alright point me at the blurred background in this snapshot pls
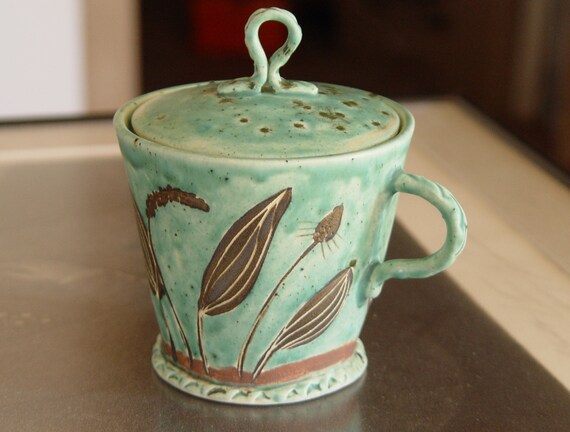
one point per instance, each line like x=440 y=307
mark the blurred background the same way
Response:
x=509 y=58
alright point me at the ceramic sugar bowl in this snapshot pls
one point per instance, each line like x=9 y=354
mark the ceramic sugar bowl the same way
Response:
x=264 y=208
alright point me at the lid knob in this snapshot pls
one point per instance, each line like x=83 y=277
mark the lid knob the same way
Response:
x=266 y=76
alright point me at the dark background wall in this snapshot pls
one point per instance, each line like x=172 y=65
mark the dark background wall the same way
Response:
x=509 y=58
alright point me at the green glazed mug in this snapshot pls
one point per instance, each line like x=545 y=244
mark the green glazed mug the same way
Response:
x=264 y=208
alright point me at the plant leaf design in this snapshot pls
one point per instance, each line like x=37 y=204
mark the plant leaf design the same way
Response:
x=153 y=272
x=329 y=225
x=152 y=268
x=238 y=259
x=312 y=319
x=325 y=231
x=168 y=194
x=154 y=200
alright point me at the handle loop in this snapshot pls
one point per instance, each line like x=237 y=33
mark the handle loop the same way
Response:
x=266 y=75
x=456 y=224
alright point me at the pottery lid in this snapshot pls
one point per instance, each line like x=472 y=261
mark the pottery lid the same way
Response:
x=265 y=116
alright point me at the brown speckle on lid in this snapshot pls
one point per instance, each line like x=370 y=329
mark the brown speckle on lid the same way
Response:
x=301 y=104
x=331 y=115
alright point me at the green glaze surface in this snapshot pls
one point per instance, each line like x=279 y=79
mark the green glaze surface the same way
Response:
x=264 y=249
x=197 y=118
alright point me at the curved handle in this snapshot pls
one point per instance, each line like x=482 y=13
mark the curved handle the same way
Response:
x=266 y=74
x=456 y=224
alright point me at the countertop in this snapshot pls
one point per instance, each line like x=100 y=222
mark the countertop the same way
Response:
x=484 y=346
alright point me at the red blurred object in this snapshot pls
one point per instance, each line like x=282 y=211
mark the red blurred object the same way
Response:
x=218 y=26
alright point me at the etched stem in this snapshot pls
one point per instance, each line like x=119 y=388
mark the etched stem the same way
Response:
x=201 y=341
x=180 y=330
x=268 y=300
x=158 y=292
x=173 y=348
x=311 y=320
x=263 y=361
x=164 y=291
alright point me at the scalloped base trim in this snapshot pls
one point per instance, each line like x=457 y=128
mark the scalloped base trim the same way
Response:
x=315 y=385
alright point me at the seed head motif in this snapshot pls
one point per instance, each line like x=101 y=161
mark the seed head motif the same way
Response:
x=329 y=225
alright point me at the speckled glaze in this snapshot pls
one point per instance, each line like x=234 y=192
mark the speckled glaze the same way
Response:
x=197 y=118
x=264 y=247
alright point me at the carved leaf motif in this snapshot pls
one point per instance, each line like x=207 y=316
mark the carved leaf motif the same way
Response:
x=324 y=232
x=154 y=200
x=157 y=199
x=166 y=195
x=152 y=268
x=239 y=257
x=312 y=319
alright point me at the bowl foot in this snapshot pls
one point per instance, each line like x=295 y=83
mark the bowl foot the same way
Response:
x=312 y=386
